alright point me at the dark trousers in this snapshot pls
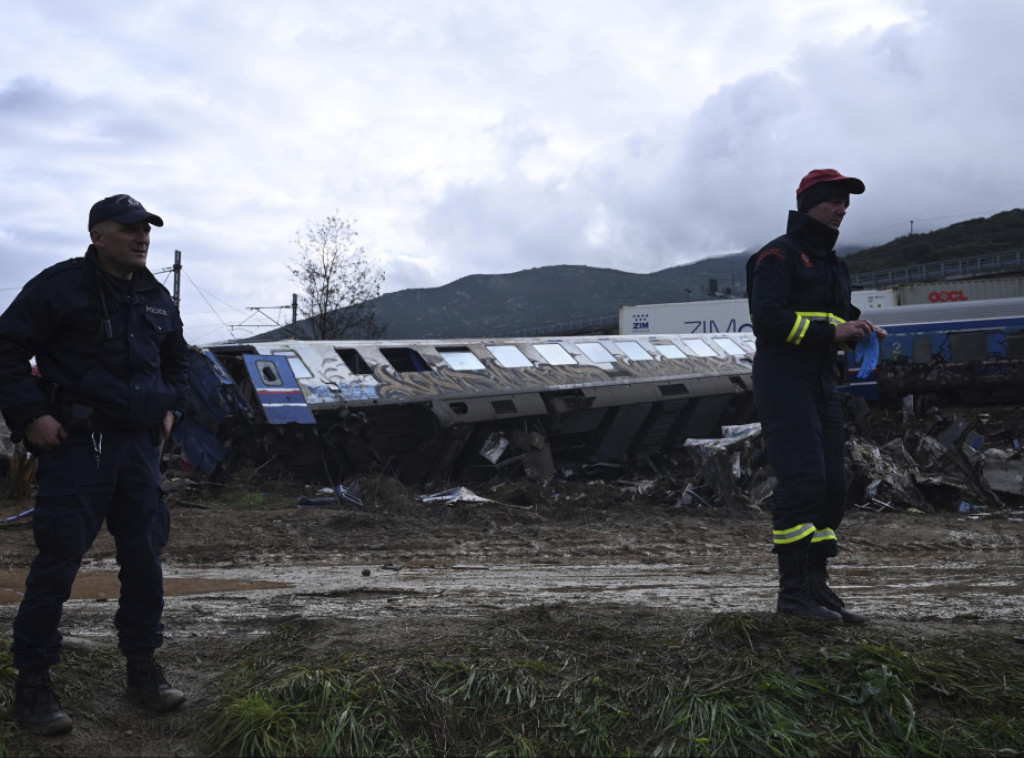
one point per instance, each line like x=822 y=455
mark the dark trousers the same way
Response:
x=802 y=423
x=76 y=494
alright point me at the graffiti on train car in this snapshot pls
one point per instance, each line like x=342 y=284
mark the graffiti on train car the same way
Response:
x=428 y=411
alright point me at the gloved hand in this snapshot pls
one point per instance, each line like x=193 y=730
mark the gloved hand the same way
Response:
x=866 y=355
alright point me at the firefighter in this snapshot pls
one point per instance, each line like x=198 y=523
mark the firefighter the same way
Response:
x=108 y=343
x=799 y=295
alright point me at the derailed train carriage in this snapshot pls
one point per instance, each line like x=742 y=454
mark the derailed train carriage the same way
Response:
x=955 y=353
x=433 y=410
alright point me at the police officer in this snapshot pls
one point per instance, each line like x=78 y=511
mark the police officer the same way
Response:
x=799 y=296
x=112 y=361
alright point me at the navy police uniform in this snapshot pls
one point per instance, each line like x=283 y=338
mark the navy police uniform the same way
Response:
x=113 y=362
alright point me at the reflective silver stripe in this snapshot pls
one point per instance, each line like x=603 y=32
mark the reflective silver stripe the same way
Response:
x=823 y=535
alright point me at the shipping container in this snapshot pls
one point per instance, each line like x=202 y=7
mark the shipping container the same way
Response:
x=706 y=316
x=919 y=293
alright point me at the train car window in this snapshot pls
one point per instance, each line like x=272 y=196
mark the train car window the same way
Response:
x=699 y=348
x=634 y=352
x=353 y=360
x=554 y=354
x=1015 y=345
x=596 y=352
x=509 y=356
x=461 y=359
x=670 y=351
x=965 y=347
x=268 y=373
x=299 y=369
x=922 y=349
x=404 y=359
x=729 y=346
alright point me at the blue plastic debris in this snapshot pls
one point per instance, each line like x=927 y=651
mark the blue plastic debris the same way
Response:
x=9 y=519
x=866 y=355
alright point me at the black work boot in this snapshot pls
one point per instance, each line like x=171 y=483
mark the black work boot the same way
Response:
x=36 y=706
x=795 y=595
x=817 y=579
x=148 y=686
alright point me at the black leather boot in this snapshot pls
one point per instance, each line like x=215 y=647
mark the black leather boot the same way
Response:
x=817 y=578
x=148 y=686
x=36 y=706
x=795 y=596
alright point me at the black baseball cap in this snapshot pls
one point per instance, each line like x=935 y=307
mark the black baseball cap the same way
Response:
x=123 y=208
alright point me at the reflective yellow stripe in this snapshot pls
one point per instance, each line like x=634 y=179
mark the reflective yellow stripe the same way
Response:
x=800 y=327
x=793 y=534
x=821 y=316
x=824 y=535
x=803 y=323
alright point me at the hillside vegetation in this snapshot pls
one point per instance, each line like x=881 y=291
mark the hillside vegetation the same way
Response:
x=549 y=299
x=1003 y=232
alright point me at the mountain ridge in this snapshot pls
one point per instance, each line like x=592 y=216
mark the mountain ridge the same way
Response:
x=480 y=305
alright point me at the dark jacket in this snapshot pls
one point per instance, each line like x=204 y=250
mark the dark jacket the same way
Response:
x=118 y=350
x=798 y=289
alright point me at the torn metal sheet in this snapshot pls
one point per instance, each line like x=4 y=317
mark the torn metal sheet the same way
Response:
x=730 y=465
x=1003 y=470
x=455 y=495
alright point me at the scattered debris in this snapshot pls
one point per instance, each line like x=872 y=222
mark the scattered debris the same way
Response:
x=454 y=495
x=733 y=466
x=328 y=496
x=9 y=519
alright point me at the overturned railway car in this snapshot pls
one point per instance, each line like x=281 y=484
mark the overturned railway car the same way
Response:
x=967 y=352
x=433 y=410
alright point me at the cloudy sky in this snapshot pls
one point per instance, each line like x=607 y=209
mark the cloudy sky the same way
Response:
x=470 y=136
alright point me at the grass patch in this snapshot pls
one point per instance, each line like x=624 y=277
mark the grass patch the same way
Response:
x=543 y=682
x=75 y=678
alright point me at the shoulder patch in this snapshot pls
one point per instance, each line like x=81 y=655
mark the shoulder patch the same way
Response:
x=71 y=264
x=772 y=251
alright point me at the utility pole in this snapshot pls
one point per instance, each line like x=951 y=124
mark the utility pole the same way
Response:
x=176 y=270
x=262 y=310
x=911 y=227
x=177 y=278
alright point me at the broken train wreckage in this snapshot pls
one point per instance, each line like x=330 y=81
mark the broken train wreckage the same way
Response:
x=429 y=412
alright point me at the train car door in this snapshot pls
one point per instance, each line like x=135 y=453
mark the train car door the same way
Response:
x=277 y=390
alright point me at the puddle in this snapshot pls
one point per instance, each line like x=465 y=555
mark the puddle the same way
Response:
x=234 y=594
x=92 y=584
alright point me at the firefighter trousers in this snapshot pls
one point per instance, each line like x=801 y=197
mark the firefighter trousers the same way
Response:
x=802 y=424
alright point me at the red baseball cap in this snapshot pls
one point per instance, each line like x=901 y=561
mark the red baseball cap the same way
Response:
x=820 y=175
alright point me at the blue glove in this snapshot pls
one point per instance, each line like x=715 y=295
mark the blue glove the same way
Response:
x=866 y=354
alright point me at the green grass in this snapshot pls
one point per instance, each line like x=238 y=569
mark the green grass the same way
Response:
x=738 y=684
x=543 y=681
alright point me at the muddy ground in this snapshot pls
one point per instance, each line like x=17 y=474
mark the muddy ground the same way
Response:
x=396 y=573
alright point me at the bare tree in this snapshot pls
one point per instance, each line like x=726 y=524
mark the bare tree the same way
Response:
x=337 y=280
